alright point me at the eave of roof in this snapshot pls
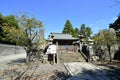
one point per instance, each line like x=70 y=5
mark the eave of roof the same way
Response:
x=61 y=36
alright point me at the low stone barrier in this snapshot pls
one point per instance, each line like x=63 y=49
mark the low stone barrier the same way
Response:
x=11 y=49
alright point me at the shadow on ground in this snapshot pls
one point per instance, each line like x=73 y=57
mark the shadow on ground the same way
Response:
x=97 y=75
x=17 y=61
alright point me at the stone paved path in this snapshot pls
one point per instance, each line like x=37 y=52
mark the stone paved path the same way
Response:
x=89 y=71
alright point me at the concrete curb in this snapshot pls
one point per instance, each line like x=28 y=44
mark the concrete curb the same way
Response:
x=68 y=69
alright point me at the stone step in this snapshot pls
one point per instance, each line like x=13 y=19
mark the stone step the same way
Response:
x=71 y=57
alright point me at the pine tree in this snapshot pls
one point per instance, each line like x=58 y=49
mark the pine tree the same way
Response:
x=85 y=31
x=68 y=28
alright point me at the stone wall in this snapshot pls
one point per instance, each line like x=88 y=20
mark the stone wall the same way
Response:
x=11 y=49
x=105 y=53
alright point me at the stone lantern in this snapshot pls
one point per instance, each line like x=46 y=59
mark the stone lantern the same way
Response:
x=90 y=41
x=81 y=41
x=90 y=47
x=50 y=39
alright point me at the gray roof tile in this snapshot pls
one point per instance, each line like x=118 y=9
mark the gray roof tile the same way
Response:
x=63 y=36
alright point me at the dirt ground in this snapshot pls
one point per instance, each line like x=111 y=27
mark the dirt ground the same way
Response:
x=7 y=60
x=13 y=67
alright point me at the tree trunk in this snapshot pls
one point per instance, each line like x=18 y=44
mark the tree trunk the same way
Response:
x=27 y=58
x=109 y=50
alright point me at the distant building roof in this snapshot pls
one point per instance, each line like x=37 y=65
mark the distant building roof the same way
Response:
x=62 y=36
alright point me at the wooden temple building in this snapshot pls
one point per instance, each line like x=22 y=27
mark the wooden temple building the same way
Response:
x=64 y=42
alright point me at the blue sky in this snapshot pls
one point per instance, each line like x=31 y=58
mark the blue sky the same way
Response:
x=96 y=14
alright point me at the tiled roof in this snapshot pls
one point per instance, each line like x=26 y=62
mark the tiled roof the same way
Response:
x=63 y=36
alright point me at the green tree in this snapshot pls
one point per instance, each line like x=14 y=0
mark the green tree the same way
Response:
x=10 y=33
x=68 y=28
x=31 y=27
x=1 y=24
x=1 y=20
x=116 y=26
x=85 y=31
x=14 y=36
x=107 y=39
x=76 y=33
x=10 y=21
